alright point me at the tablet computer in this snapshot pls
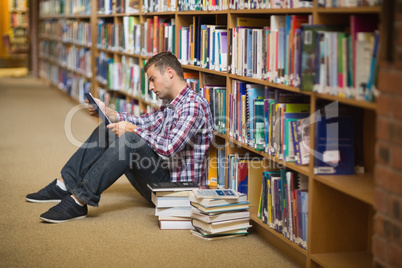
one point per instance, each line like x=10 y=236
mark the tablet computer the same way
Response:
x=101 y=114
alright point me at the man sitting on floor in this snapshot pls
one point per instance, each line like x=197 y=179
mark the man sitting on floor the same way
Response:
x=169 y=144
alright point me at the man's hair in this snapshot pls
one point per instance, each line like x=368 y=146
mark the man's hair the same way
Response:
x=162 y=61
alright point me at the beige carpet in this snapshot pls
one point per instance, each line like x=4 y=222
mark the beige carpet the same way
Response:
x=121 y=232
x=13 y=72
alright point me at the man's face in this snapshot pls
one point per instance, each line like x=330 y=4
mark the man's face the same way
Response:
x=158 y=83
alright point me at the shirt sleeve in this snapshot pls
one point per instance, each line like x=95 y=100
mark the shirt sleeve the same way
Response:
x=145 y=121
x=191 y=119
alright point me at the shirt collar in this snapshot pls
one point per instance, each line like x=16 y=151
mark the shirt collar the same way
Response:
x=176 y=101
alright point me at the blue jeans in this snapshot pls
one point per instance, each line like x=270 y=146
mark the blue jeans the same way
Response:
x=103 y=158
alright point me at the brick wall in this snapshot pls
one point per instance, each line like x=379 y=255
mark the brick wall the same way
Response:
x=387 y=240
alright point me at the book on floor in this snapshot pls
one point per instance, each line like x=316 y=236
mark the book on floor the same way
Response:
x=173 y=211
x=172 y=186
x=216 y=193
x=213 y=202
x=196 y=214
x=218 y=209
x=170 y=201
x=222 y=226
x=211 y=237
x=175 y=223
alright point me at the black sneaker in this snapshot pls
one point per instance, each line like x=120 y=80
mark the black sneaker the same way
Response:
x=66 y=210
x=51 y=193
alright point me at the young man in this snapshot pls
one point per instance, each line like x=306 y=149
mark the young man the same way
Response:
x=169 y=144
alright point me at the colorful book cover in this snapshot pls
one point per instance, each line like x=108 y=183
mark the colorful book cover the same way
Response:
x=308 y=54
x=334 y=146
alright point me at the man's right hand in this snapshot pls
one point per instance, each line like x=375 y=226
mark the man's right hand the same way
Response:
x=92 y=110
x=109 y=112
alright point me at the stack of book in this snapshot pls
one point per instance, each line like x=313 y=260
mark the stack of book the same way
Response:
x=218 y=214
x=172 y=205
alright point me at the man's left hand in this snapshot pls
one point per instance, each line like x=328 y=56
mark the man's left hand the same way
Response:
x=121 y=127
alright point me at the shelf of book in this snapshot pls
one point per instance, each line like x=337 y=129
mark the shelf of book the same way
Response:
x=360 y=186
x=357 y=259
x=278 y=240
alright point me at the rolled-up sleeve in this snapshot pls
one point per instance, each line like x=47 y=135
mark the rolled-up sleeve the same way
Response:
x=190 y=119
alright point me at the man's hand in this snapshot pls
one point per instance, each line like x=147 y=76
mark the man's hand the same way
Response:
x=109 y=112
x=121 y=127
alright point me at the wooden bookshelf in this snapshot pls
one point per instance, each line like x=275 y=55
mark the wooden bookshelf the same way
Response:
x=340 y=208
x=18 y=33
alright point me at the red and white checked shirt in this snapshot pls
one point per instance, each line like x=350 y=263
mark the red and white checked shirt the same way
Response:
x=181 y=131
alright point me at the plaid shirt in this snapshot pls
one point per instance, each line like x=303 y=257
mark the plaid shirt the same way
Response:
x=180 y=131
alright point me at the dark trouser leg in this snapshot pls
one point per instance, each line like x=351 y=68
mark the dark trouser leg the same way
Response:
x=92 y=169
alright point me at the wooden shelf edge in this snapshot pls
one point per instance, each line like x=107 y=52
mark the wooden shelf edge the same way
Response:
x=289 y=248
x=366 y=9
x=359 y=186
x=271 y=11
x=358 y=103
x=354 y=259
x=298 y=168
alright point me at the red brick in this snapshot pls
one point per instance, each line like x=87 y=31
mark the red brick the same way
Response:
x=385 y=104
x=395 y=131
x=383 y=127
x=382 y=153
x=390 y=81
x=380 y=248
x=381 y=201
x=395 y=206
x=394 y=255
x=396 y=157
x=397 y=109
x=379 y=225
x=388 y=179
x=396 y=235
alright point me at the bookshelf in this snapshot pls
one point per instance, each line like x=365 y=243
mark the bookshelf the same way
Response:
x=18 y=35
x=340 y=207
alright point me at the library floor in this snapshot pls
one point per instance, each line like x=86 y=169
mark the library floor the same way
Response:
x=122 y=232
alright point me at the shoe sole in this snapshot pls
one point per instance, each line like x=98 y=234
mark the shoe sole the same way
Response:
x=61 y=221
x=43 y=201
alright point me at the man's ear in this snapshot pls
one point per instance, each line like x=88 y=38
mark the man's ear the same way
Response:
x=171 y=73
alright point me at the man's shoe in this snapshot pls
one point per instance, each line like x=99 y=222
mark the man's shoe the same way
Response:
x=51 y=193
x=66 y=210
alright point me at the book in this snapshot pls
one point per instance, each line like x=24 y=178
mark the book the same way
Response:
x=216 y=193
x=307 y=56
x=170 y=201
x=334 y=145
x=172 y=193
x=173 y=186
x=175 y=225
x=220 y=216
x=217 y=237
x=174 y=211
x=214 y=202
x=219 y=209
x=250 y=179
x=222 y=226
